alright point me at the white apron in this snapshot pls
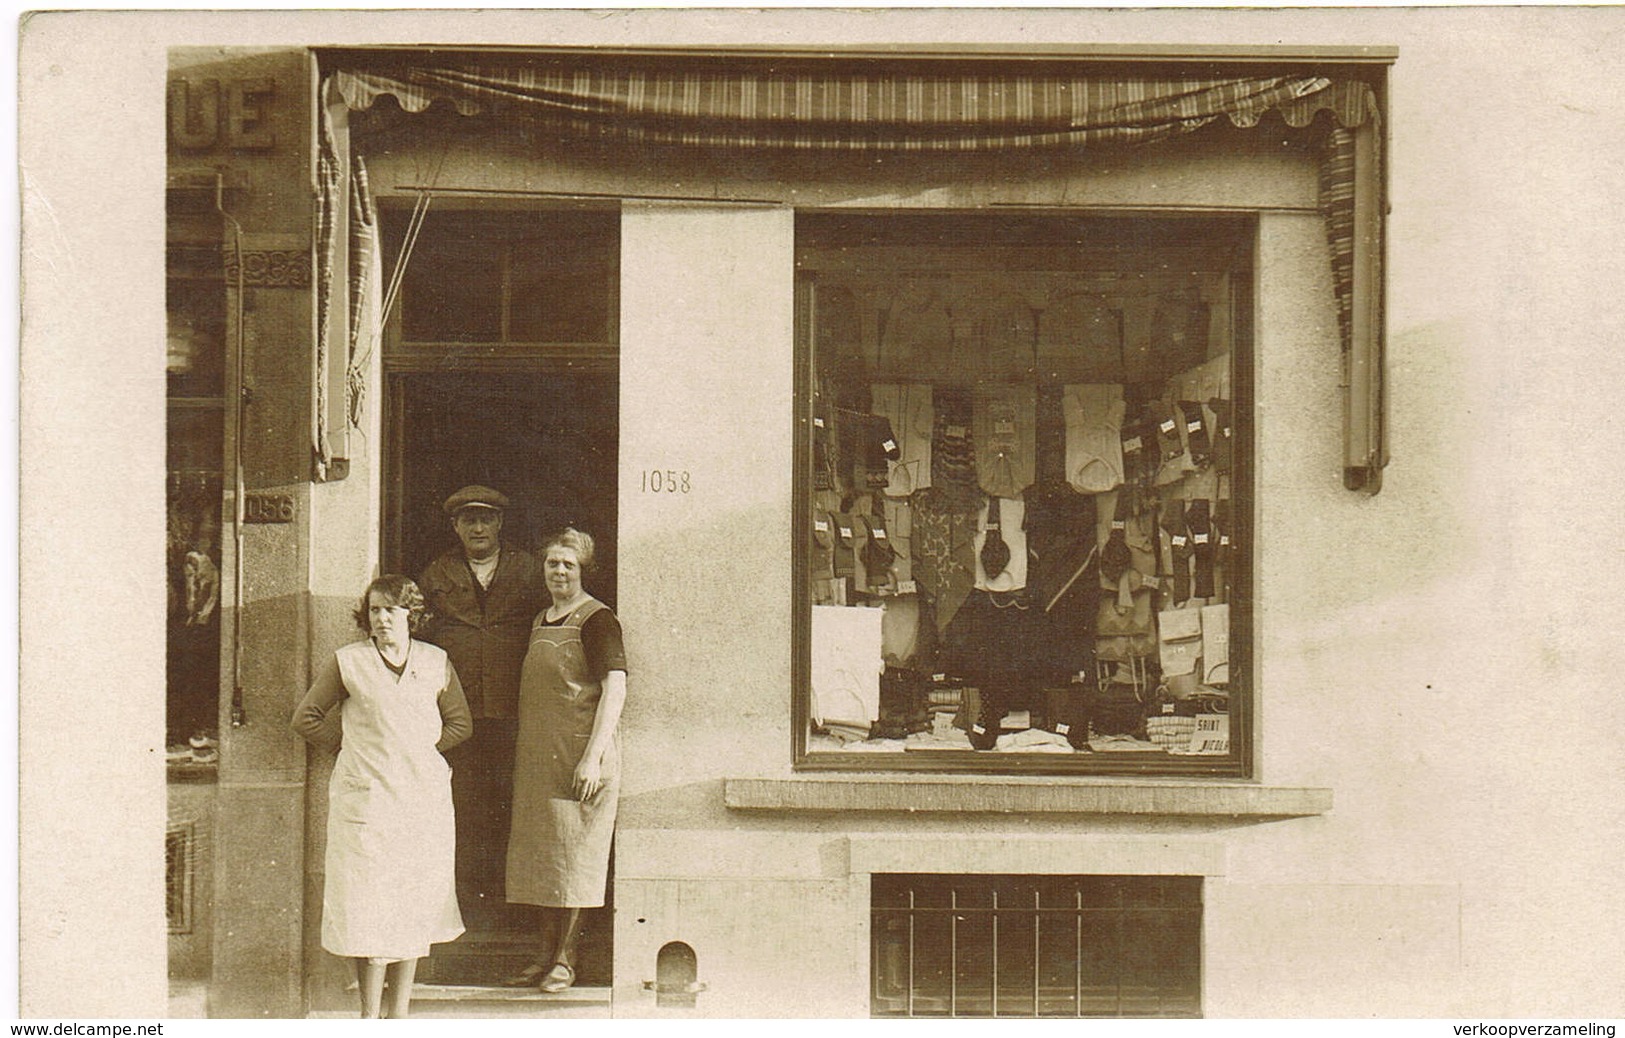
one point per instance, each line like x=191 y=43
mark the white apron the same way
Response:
x=390 y=891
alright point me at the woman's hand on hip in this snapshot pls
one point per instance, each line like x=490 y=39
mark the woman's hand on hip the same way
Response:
x=589 y=778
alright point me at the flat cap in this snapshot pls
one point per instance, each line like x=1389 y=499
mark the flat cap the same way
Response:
x=475 y=496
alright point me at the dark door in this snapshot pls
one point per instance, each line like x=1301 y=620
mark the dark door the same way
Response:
x=548 y=439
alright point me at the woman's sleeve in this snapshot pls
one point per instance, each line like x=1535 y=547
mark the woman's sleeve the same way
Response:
x=456 y=720
x=311 y=719
x=601 y=642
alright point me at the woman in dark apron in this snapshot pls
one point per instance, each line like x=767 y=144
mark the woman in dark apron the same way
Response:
x=567 y=766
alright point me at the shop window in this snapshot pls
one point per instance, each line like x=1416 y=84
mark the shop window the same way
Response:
x=1035 y=946
x=1024 y=492
x=511 y=278
x=195 y=362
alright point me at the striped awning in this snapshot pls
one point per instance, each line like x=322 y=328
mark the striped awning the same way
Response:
x=859 y=112
x=874 y=110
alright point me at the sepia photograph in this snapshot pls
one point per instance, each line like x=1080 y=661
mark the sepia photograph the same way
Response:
x=701 y=514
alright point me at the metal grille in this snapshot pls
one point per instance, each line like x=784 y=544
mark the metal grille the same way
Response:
x=1036 y=946
x=179 y=843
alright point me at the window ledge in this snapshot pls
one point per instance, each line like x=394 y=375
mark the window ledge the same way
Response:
x=963 y=794
x=193 y=772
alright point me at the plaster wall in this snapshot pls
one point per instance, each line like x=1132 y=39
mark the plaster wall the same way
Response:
x=705 y=392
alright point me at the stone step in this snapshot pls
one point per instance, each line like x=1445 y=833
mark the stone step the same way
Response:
x=471 y=1002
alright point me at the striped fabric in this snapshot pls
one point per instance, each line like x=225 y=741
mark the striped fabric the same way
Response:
x=329 y=218
x=366 y=290
x=1337 y=206
x=742 y=110
x=849 y=112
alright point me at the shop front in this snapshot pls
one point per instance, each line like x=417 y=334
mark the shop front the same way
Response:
x=932 y=410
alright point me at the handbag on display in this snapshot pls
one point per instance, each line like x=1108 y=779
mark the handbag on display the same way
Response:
x=1125 y=634
x=1179 y=640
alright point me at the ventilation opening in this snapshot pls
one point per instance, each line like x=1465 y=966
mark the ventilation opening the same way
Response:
x=677 y=973
x=179 y=843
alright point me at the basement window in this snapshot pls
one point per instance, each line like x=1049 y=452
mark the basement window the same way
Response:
x=1035 y=946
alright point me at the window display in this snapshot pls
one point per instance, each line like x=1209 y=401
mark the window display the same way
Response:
x=1021 y=481
x=195 y=358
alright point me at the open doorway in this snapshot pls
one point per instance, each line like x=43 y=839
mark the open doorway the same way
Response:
x=501 y=370
x=548 y=440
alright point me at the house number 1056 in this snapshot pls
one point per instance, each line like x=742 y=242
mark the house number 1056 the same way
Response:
x=665 y=481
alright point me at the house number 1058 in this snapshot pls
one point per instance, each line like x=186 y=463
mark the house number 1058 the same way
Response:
x=665 y=481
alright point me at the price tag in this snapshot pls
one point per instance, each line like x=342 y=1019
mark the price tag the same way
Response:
x=956 y=432
x=846 y=533
x=1180 y=540
x=1195 y=426
x=1004 y=427
x=818 y=423
x=939 y=678
x=1168 y=426
x=889 y=446
x=1147 y=580
x=907 y=587
x=1132 y=444
x=1117 y=524
x=1063 y=729
x=1199 y=538
x=878 y=532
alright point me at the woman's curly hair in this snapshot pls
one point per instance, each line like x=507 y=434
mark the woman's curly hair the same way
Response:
x=576 y=541
x=396 y=590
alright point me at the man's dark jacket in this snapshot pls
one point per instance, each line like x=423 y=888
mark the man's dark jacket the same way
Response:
x=485 y=634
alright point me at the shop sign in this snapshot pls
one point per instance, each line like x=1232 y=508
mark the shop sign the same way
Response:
x=221 y=113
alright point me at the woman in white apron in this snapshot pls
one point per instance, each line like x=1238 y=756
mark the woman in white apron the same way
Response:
x=567 y=761
x=390 y=832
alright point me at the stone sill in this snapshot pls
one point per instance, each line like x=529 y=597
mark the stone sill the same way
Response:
x=192 y=773
x=484 y=993
x=974 y=794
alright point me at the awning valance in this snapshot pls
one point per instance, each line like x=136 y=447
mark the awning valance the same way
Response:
x=876 y=109
x=868 y=112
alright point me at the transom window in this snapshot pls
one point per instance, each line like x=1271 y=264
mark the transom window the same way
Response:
x=511 y=278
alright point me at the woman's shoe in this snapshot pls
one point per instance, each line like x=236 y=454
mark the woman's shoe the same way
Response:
x=525 y=978
x=558 y=979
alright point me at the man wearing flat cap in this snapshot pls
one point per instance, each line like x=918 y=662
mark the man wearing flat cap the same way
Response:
x=482 y=598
